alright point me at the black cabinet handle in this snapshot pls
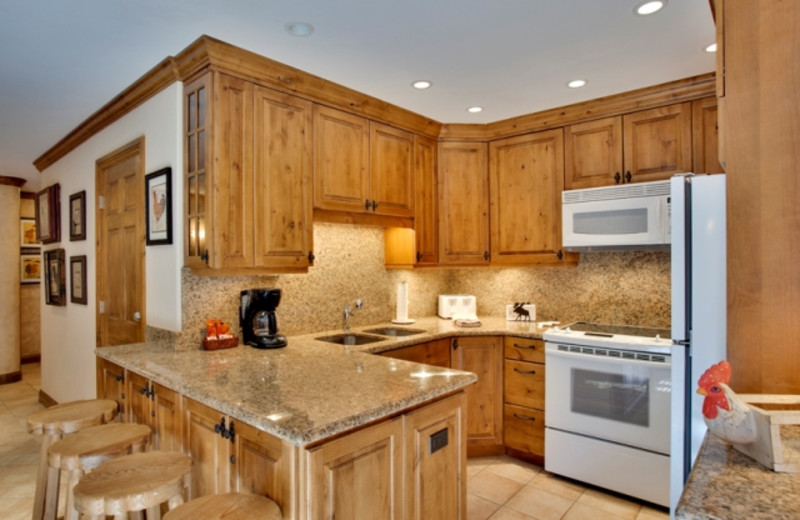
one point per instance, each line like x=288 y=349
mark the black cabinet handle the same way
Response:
x=617 y=177
x=120 y=378
x=230 y=433
x=204 y=256
x=527 y=372
x=311 y=257
x=143 y=391
x=532 y=347
x=233 y=459
x=219 y=428
x=366 y=205
x=524 y=417
x=455 y=343
x=628 y=177
x=486 y=255
x=419 y=256
x=560 y=254
x=374 y=205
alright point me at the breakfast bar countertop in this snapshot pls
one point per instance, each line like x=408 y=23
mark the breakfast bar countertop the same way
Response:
x=309 y=390
x=725 y=485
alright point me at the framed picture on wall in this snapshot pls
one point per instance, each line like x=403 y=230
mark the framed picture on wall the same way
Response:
x=48 y=218
x=159 y=207
x=77 y=216
x=27 y=233
x=55 y=290
x=30 y=266
x=77 y=279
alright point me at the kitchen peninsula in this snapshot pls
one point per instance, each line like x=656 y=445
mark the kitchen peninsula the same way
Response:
x=310 y=423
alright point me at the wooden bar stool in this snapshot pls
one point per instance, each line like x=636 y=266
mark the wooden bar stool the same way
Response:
x=230 y=506
x=134 y=483
x=53 y=423
x=82 y=452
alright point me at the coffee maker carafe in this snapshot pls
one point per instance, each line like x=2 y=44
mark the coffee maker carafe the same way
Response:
x=257 y=318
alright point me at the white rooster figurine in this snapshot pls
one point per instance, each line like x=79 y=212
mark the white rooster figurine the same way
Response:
x=726 y=415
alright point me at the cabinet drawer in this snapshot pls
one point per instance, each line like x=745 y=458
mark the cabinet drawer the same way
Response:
x=435 y=353
x=524 y=349
x=524 y=384
x=524 y=429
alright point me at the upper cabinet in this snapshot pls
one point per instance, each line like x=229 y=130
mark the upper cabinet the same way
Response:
x=248 y=202
x=361 y=166
x=463 y=203
x=426 y=203
x=642 y=146
x=526 y=176
x=705 y=137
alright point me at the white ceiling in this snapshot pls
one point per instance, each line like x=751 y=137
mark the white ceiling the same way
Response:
x=61 y=60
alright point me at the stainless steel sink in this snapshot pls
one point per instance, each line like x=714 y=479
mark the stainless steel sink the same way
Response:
x=395 y=331
x=350 y=339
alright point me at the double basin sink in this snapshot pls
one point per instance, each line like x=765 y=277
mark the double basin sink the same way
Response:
x=358 y=338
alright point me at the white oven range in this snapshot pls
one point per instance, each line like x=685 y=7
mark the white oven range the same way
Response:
x=607 y=407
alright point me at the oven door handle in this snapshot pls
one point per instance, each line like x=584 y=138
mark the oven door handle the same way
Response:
x=608 y=359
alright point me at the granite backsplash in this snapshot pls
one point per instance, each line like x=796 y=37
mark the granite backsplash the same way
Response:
x=625 y=288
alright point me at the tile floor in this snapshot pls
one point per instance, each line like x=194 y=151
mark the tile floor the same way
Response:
x=499 y=488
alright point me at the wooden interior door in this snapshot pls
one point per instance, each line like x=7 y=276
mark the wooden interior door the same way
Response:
x=120 y=246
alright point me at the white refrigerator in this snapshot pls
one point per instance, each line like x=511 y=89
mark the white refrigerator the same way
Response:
x=698 y=310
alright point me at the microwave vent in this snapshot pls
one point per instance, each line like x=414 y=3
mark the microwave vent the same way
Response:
x=624 y=191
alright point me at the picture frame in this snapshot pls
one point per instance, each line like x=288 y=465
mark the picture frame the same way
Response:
x=27 y=234
x=30 y=267
x=77 y=279
x=48 y=214
x=77 y=216
x=55 y=290
x=158 y=202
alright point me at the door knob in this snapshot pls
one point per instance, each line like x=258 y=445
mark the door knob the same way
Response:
x=137 y=316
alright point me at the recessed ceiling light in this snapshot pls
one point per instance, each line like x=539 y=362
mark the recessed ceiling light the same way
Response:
x=474 y=110
x=299 y=28
x=422 y=84
x=576 y=83
x=711 y=47
x=649 y=7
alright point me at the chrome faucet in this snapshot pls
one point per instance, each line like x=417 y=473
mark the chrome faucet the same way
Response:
x=349 y=313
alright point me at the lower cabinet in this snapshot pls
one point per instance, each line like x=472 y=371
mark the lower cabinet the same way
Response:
x=436 y=353
x=111 y=385
x=159 y=408
x=523 y=411
x=482 y=355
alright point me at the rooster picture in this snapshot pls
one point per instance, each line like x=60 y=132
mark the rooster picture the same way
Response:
x=726 y=415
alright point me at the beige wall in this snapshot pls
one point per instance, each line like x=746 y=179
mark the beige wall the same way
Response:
x=625 y=288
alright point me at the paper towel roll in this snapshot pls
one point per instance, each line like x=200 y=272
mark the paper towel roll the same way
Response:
x=402 y=302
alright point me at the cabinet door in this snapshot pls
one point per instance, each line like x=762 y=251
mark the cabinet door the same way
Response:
x=436 y=353
x=281 y=191
x=705 y=136
x=658 y=143
x=593 y=153
x=483 y=356
x=139 y=400
x=524 y=384
x=358 y=476
x=435 y=461
x=524 y=432
x=257 y=464
x=167 y=418
x=463 y=203
x=391 y=184
x=196 y=153
x=526 y=175
x=426 y=207
x=111 y=385
x=341 y=159
x=231 y=220
x=209 y=451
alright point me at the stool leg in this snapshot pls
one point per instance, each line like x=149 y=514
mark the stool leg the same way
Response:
x=51 y=493
x=154 y=513
x=70 y=513
x=41 y=476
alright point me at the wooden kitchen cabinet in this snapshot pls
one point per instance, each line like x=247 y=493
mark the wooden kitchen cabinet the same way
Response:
x=526 y=178
x=705 y=137
x=249 y=189
x=426 y=205
x=159 y=408
x=436 y=353
x=524 y=398
x=648 y=145
x=361 y=166
x=359 y=475
x=482 y=355
x=111 y=385
x=463 y=203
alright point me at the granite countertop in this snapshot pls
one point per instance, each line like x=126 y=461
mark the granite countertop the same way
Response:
x=725 y=484
x=310 y=390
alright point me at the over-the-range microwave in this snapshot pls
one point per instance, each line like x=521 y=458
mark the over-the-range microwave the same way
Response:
x=613 y=218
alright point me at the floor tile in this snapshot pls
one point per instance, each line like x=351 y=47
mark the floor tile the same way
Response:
x=479 y=508
x=613 y=504
x=513 y=469
x=493 y=487
x=560 y=486
x=505 y=513
x=653 y=513
x=539 y=504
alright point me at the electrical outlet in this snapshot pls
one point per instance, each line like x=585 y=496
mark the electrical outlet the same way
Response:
x=438 y=440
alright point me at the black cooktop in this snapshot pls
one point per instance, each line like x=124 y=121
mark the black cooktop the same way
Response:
x=601 y=329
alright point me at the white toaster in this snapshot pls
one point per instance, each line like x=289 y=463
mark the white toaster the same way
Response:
x=456 y=304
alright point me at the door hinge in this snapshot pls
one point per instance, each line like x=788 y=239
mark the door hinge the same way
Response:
x=102 y=305
x=101 y=202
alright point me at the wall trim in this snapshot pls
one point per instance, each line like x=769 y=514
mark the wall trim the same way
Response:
x=46 y=400
x=11 y=377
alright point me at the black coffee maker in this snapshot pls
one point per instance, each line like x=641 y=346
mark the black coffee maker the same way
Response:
x=257 y=318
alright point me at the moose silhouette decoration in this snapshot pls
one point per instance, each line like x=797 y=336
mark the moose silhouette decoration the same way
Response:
x=521 y=312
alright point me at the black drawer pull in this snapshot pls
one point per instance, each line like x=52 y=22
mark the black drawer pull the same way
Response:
x=530 y=372
x=524 y=417
x=532 y=347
